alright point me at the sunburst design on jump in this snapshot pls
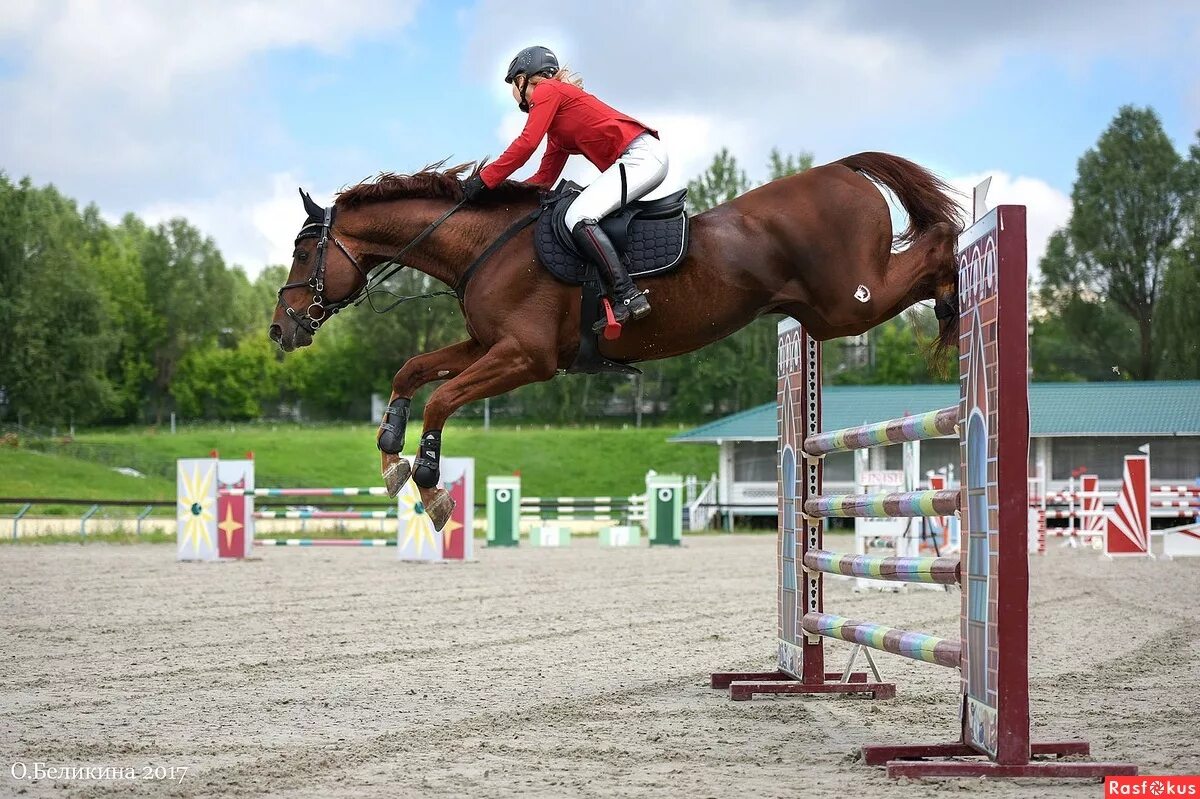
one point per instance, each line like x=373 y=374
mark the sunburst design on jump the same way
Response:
x=415 y=527
x=196 y=507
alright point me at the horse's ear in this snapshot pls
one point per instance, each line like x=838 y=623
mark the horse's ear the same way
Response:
x=315 y=212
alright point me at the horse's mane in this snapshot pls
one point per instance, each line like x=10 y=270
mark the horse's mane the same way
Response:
x=435 y=181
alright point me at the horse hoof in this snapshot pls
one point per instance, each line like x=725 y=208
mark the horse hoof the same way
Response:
x=396 y=475
x=439 y=508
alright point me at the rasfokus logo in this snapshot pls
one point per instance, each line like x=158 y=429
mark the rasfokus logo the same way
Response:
x=1152 y=786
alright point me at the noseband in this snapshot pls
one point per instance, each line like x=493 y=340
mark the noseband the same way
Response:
x=319 y=310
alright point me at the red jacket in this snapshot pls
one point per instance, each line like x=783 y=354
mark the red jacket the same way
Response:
x=577 y=124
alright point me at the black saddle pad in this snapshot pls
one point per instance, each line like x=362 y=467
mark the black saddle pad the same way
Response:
x=652 y=236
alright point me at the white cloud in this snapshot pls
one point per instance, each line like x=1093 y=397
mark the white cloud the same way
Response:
x=252 y=227
x=1047 y=208
x=693 y=140
x=145 y=49
x=145 y=105
x=830 y=77
x=789 y=75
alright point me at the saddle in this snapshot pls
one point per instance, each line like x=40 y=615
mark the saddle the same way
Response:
x=650 y=235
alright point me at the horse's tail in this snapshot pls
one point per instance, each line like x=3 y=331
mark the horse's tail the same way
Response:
x=933 y=221
x=928 y=199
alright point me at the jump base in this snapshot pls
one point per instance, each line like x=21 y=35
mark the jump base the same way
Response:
x=744 y=685
x=909 y=761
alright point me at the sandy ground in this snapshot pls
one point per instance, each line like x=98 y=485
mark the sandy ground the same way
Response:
x=574 y=672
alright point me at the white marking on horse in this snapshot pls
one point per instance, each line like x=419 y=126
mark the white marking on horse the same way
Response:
x=862 y=293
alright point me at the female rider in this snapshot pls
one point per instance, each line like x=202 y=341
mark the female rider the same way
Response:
x=631 y=159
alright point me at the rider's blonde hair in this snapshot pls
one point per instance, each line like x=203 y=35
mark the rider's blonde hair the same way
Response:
x=565 y=75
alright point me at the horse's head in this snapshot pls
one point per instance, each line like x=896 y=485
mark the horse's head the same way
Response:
x=323 y=280
x=945 y=296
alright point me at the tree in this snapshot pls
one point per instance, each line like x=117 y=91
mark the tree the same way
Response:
x=58 y=338
x=1131 y=207
x=188 y=291
x=780 y=165
x=720 y=183
x=892 y=353
x=1180 y=319
x=233 y=383
x=737 y=372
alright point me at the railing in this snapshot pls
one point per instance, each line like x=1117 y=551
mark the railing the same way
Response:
x=93 y=506
x=701 y=503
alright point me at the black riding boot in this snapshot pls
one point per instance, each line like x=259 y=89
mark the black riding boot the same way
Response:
x=594 y=244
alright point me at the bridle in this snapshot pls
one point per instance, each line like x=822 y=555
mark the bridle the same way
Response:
x=319 y=310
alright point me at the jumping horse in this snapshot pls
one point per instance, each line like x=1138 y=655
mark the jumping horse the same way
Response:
x=817 y=246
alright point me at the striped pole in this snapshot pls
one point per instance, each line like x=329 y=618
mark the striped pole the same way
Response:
x=1101 y=514
x=881 y=567
x=901 y=504
x=919 y=427
x=374 y=491
x=325 y=542
x=325 y=514
x=917 y=646
x=1175 y=489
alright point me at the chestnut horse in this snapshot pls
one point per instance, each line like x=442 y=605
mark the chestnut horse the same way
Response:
x=816 y=246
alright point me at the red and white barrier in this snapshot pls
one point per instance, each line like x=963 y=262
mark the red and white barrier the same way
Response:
x=1128 y=531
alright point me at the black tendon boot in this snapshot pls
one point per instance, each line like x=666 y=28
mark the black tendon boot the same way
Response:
x=391 y=432
x=594 y=244
x=427 y=464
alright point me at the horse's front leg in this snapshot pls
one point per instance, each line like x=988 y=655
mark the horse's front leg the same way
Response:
x=442 y=364
x=506 y=366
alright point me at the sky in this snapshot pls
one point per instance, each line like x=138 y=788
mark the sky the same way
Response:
x=218 y=111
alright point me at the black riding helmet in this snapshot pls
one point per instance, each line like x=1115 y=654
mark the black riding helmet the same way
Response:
x=532 y=61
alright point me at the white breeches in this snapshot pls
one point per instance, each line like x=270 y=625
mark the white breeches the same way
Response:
x=645 y=166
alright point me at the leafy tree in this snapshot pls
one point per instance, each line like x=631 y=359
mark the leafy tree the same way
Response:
x=893 y=353
x=720 y=183
x=115 y=253
x=234 y=383
x=187 y=291
x=1131 y=208
x=53 y=353
x=737 y=372
x=1180 y=321
x=780 y=165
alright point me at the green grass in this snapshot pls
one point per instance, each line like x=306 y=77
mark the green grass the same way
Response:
x=37 y=474
x=552 y=461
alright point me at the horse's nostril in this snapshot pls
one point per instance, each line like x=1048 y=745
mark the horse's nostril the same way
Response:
x=275 y=332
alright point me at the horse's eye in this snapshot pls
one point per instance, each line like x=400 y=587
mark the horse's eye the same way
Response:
x=301 y=255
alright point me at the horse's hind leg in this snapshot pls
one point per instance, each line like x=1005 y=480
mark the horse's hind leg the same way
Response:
x=417 y=371
x=506 y=366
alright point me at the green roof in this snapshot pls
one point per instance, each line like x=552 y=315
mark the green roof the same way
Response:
x=1154 y=408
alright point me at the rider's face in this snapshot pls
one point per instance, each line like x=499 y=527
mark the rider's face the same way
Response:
x=516 y=88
